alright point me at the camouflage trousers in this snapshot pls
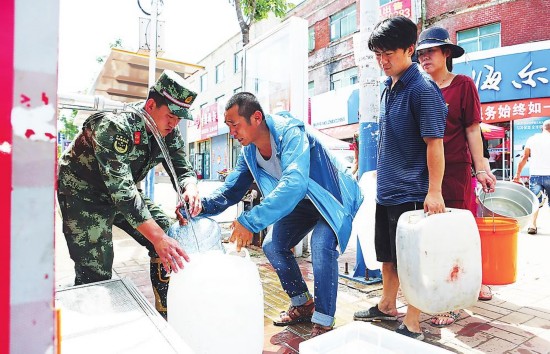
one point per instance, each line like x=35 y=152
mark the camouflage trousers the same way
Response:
x=88 y=230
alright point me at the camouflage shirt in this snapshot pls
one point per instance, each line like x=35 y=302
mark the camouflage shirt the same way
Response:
x=110 y=155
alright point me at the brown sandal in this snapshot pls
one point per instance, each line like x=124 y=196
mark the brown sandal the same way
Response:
x=318 y=330
x=297 y=314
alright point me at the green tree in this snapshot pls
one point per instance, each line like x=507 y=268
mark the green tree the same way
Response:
x=69 y=128
x=250 y=11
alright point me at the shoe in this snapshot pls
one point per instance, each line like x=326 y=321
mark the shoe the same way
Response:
x=449 y=318
x=402 y=329
x=532 y=230
x=373 y=314
x=485 y=295
x=318 y=330
x=296 y=314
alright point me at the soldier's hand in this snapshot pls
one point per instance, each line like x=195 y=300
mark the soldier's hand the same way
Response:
x=182 y=220
x=191 y=196
x=170 y=253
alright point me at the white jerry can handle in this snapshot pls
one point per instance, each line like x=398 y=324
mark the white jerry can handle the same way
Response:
x=414 y=218
x=243 y=253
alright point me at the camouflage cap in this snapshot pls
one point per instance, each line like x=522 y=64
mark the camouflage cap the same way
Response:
x=178 y=97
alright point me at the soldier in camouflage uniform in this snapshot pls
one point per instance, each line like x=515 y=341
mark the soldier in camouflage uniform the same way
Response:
x=97 y=186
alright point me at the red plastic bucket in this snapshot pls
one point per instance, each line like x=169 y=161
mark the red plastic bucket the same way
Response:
x=499 y=249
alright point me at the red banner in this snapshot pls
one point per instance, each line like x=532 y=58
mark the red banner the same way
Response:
x=511 y=110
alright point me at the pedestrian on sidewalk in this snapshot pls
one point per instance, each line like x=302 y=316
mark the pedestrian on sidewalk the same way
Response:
x=536 y=151
x=302 y=191
x=410 y=163
x=97 y=186
x=463 y=142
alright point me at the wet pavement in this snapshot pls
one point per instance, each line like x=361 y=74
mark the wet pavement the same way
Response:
x=516 y=320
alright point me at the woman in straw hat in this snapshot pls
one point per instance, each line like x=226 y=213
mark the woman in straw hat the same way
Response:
x=463 y=141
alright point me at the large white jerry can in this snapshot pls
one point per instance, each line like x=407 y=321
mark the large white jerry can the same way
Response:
x=216 y=304
x=439 y=259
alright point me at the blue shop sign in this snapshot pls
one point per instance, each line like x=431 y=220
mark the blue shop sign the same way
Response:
x=509 y=77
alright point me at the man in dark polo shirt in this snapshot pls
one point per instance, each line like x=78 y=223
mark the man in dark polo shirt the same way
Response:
x=410 y=161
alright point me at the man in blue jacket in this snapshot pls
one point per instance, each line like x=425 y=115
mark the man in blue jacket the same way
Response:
x=303 y=189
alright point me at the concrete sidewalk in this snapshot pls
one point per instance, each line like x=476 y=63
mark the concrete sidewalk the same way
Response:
x=516 y=320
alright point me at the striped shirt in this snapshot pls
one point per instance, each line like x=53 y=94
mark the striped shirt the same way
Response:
x=410 y=111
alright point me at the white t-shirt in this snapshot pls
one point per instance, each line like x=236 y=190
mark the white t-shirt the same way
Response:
x=273 y=164
x=539 y=160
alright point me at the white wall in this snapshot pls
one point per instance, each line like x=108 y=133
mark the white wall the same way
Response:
x=33 y=119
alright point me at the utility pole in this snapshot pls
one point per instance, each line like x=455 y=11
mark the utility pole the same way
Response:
x=369 y=112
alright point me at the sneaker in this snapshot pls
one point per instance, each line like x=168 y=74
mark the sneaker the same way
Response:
x=402 y=329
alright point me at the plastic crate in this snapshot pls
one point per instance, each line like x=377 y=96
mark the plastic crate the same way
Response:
x=363 y=337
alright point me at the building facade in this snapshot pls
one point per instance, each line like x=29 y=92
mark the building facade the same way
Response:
x=485 y=29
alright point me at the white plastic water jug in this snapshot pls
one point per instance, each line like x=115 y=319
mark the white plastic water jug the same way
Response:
x=439 y=259
x=216 y=304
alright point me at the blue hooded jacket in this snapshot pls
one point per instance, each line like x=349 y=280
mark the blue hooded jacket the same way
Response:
x=308 y=169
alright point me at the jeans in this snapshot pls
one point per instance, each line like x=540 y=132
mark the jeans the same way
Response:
x=287 y=233
x=540 y=185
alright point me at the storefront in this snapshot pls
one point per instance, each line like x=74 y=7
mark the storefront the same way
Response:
x=336 y=112
x=514 y=87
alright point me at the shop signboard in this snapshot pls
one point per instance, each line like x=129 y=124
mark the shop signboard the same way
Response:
x=495 y=112
x=209 y=121
x=502 y=77
x=335 y=108
x=396 y=8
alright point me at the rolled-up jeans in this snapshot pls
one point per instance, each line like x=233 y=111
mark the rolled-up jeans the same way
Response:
x=540 y=185
x=287 y=233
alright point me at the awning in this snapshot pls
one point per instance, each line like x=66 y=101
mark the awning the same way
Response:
x=125 y=75
x=492 y=131
x=342 y=132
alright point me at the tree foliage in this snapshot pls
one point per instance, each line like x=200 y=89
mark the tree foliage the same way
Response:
x=250 y=11
x=69 y=128
x=116 y=44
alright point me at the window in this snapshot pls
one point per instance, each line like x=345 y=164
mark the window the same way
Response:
x=311 y=39
x=204 y=82
x=311 y=88
x=343 y=23
x=237 y=58
x=238 y=89
x=479 y=38
x=343 y=78
x=220 y=72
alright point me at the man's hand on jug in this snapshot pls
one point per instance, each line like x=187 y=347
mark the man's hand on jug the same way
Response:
x=240 y=235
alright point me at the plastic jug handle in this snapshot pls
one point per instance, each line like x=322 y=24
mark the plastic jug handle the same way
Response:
x=447 y=210
x=233 y=250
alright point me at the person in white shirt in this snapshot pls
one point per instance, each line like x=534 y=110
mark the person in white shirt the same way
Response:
x=536 y=151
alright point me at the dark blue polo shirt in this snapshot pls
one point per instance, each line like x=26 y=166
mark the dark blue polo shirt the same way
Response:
x=410 y=111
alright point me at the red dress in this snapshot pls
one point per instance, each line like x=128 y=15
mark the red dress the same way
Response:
x=464 y=110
